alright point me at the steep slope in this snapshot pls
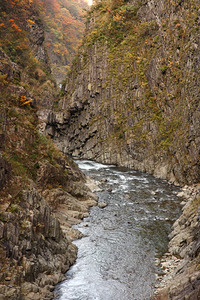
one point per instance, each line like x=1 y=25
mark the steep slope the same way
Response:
x=42 y=191
x=64 y=25
x=132 y=96
x=25 y=67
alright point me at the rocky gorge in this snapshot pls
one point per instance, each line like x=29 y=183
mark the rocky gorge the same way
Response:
x=131 y=99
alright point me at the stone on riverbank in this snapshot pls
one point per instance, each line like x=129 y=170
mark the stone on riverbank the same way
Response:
x=102 y=204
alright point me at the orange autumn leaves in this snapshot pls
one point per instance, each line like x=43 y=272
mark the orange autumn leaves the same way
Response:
x=15 y=26
x=62 y=20
x=25 y=101
x=64 y=23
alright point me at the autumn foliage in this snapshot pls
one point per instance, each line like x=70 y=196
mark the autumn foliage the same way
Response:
x=14 y=15
x=64 y=27
x=63 y=24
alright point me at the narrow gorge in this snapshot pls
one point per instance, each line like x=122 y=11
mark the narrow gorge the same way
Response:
x=130 y=99
x=132 y=96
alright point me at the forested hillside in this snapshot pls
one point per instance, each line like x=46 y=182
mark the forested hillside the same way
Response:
x=64 y=27
x=35 y=178
x=63 y=24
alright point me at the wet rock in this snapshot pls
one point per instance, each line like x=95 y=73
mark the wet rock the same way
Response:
x=104 y=180
x=181 y=194
x=102 y=204
x=93 y=185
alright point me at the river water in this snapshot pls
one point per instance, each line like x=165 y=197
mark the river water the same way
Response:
x=122 y=243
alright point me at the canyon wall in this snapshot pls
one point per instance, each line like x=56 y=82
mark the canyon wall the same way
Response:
x=132 y=96
x=42 y=192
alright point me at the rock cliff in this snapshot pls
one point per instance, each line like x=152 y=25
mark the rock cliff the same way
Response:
x=181 y=263
x=132 y=96
x=42 y=191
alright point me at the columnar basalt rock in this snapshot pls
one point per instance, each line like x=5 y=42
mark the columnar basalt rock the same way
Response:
x=36 y=252
x=133 y=100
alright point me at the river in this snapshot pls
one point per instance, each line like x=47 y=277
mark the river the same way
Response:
x=122 y=244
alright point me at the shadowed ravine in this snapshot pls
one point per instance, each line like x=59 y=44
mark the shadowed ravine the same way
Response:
x=122 y=243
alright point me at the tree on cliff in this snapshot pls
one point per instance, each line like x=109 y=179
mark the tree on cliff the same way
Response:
x=63 y=25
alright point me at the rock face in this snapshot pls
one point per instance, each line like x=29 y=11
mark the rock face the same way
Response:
x=34 y=242
x=181 y=264
x=42 y=192
x=132 y=95
x=35 y=251
x=37 y=38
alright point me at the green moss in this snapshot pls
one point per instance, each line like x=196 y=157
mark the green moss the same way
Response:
x=112 y=21
x=18 y=167
x=13 y=208
x=2 y=217
x=163 y=69
x=156 y=39
x=195 y=203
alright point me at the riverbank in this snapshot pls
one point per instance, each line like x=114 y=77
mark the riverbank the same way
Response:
x=181 y=264
x=35 y=225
